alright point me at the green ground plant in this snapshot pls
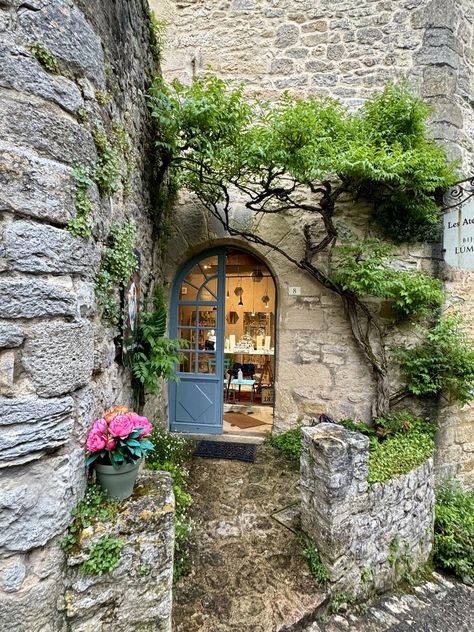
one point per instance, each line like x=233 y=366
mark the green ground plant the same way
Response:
x=171 y=454
x=104 y=556
x=311 y=553
x=93 y=508
x=453 y=549
x=289 y=443
x=398 y=443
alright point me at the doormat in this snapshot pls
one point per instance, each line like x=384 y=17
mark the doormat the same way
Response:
x=226 y=450
x=242 y=421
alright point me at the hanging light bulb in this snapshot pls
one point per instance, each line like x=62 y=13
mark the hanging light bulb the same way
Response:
x=240 y=301
x=266 y=300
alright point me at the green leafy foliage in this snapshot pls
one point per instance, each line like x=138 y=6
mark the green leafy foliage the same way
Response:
x=156 y=355
x=104 y=556
x=443 y=362
x=453 y=549
x=80 y=225
x=117 y=264
x=398 y=443
x=94 y=507
x=107 y=171
x=289 y=443
x=311 y=553
x=44 y=56
x=400 y=452
x=366 y=270
x=171 y=455
x=157 y=30
x=383 y=151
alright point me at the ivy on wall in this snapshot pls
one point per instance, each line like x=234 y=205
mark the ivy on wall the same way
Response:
x=117 y=264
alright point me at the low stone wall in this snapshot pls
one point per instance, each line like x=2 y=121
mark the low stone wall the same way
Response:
x=368 y=538
x=136 y=596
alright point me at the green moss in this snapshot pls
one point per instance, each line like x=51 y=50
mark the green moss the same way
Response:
x=44 y=56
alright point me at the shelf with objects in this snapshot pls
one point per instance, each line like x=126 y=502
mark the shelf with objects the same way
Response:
x=249 y=331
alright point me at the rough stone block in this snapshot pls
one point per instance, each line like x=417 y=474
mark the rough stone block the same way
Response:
x=287 y=35
x=33 y=587
x=51 y=134
x=37 y=248
x=33 y=298
x=30 y=427
x=35 y=187
x=146 y=526
x=7 y=365
x=36 y=500
x=10 y=335
x=21 y=71
x=78 y=47
x=59 y=357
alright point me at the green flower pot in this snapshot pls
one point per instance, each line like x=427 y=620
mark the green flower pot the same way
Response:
x=117 y=482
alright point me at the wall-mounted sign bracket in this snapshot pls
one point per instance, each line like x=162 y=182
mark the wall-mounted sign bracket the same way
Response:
x=459 y=194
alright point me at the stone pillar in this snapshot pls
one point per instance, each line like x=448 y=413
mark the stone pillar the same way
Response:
x=367 y=538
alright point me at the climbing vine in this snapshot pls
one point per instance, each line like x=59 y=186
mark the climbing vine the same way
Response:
x=80 y=225
x=118 y=262
x=298 y=158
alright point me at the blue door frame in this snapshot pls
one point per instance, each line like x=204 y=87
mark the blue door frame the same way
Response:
x=196 y=402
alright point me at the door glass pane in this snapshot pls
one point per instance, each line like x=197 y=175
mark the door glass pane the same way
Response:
x=187 y=364
x=208 y=291
x=189 y=335
x=188 y=292
x=207 y=339
x=207 y=363
x=207 y=317
x=187 y=315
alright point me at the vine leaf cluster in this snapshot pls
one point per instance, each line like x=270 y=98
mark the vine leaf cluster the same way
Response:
x=299 y=158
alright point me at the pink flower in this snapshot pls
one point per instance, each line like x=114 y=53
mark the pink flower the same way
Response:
x=95 y=441
x=142 y=422
x=121 y=426
x=111 y=444
x=100 y=426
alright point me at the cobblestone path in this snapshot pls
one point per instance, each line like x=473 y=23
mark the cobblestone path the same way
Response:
x=249 y=574
x=439 y=605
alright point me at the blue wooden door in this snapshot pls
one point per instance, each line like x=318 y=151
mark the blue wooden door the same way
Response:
x=197 y=315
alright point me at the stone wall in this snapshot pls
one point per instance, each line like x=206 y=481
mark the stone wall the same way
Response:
x=347 y=50
x=368 y=538
x=59 y=367
x=135 y=596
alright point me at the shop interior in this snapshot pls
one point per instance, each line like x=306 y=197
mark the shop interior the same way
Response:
x=248 y=338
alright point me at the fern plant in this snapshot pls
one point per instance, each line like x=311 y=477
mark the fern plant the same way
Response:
x=156 y=355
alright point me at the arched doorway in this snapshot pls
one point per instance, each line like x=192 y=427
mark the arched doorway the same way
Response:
x=223 y=304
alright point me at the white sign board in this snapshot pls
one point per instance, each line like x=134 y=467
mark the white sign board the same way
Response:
x=458 y=240
x=294 y=291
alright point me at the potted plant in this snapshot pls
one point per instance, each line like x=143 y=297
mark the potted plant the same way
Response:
x=116 y=445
